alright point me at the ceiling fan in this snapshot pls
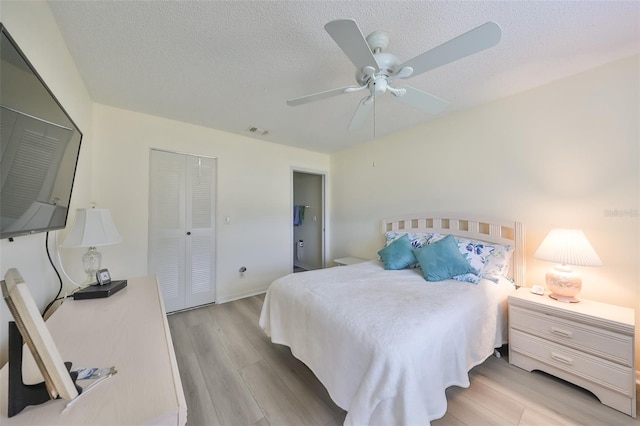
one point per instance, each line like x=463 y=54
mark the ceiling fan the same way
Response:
x=376 y=69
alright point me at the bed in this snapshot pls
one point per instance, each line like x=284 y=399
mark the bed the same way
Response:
x=387 y=343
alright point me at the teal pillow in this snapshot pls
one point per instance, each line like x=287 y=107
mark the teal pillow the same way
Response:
x=398 y=254
x=442 y=260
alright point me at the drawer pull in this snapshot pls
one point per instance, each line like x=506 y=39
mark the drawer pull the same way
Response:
x=562 y=359
x=561 y=332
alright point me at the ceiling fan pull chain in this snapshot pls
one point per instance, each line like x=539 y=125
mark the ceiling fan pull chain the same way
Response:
x=374 y=117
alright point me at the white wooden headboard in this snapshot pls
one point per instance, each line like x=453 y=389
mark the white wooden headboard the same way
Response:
x=494 y=231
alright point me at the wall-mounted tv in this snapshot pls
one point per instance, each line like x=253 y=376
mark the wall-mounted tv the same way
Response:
x=39 y=148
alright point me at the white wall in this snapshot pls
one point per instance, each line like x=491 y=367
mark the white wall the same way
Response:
x=562 y=155
x=47 y=52
x=253 y=190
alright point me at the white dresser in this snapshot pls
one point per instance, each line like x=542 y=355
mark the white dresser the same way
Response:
x=590 y=344
x=128 y=330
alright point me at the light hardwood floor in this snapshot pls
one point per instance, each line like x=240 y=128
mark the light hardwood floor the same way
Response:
x=233 y=375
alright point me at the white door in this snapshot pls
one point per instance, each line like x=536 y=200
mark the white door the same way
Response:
x=182 y=228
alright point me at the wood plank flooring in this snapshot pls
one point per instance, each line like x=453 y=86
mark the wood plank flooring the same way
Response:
x=233 y=375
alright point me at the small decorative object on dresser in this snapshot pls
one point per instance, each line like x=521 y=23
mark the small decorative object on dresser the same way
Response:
x=589 y=344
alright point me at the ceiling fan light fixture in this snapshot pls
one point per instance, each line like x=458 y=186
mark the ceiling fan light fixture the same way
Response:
x=376 y=69
x=387 y=63
x=378 y=85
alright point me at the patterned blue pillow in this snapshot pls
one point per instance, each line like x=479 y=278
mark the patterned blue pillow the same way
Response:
x=417 y=239
x=476 y=252
x=497 y=264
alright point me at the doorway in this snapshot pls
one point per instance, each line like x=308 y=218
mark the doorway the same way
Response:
x=308 y=243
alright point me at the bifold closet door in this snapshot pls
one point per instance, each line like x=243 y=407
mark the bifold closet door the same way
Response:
x=182 y=228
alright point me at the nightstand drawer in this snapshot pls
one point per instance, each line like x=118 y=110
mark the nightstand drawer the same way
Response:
x=596 y=370
x=603 y=343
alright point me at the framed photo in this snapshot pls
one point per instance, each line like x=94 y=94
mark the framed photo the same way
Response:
x=37 y=337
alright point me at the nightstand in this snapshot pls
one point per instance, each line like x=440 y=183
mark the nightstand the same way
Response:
x=589 y=344
x=344 y=261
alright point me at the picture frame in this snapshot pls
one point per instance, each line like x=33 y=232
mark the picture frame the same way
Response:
x=35 y=334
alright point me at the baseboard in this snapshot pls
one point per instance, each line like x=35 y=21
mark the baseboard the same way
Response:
x=239 y=296
x=222 y=300
x=190 y=308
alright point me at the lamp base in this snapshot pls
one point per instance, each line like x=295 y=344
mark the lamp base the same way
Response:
x=564 y=284
x=91 y=262
x=565 y=299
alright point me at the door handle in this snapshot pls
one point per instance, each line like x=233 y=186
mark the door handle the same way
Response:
x=188 y=232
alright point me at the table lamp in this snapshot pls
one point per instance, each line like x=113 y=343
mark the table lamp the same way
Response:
x=566 y=247
x=92 y=228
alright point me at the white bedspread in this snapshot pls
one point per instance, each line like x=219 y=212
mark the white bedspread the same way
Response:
x=386 y=344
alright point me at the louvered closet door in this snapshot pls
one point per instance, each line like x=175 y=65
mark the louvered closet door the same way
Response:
x=200 y=247
x=181 y=228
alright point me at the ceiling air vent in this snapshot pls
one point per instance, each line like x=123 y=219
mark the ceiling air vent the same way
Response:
x=258 y=131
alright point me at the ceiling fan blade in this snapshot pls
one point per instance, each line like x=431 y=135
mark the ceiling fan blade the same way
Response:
x=473 y=41
x=361 y=114
x=321 y=95
x=423 y=101
x=347 y=35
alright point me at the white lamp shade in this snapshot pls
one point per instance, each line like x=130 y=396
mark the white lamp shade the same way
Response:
x=567 y=247
x=92 y=228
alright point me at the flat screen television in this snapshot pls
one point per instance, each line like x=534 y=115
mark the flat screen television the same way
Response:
x=39 y=148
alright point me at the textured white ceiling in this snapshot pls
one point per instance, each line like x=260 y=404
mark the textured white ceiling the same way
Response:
x=230 y=65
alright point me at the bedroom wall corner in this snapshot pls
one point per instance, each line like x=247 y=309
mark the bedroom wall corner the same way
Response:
x=33 y=27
